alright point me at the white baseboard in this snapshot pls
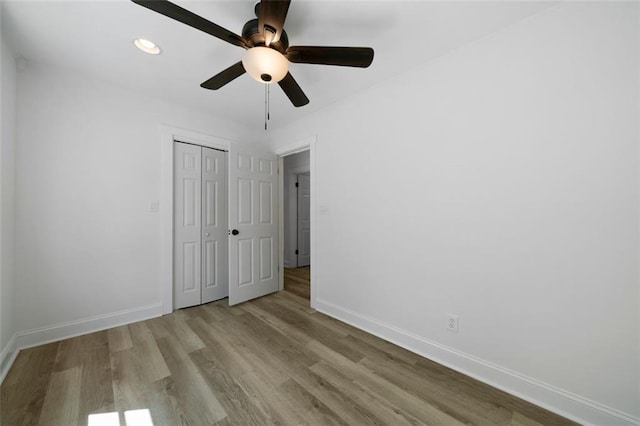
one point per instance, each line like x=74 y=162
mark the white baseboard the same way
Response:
x=7 y=357
x=557 y=400
x=54 y=333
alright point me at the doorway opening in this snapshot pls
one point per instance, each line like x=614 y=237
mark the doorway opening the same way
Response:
x=296 y=184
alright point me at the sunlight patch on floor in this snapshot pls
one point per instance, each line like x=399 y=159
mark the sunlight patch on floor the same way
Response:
x=131 y=417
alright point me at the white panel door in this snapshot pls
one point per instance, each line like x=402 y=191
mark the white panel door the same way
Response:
x=253 y=221
x=304 y=220
x=187 y=217
x=215 y=246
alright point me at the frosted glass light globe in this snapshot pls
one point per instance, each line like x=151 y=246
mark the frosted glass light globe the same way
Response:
x=265 y=65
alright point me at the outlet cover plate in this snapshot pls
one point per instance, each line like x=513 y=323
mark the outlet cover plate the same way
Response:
x=452 y=323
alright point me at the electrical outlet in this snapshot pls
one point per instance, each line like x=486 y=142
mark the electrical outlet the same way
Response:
x=452 y=323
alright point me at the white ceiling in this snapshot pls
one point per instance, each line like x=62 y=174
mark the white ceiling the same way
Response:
x=95 y=38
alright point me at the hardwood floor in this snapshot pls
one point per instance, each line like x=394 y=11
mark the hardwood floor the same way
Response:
x=269 y=361
x=297 y=281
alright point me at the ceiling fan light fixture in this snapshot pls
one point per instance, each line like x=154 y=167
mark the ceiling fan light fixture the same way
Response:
x=265 y=65
x=147 y=46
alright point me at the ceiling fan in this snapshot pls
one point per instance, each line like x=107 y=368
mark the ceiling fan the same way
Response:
x=267 y=47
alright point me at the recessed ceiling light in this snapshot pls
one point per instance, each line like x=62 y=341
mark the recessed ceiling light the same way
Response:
x=147 y=46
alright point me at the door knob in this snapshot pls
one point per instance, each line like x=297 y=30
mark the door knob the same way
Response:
x=206 y=234
x=235 y=232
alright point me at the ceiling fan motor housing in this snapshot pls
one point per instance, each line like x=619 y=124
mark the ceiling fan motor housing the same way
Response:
x=254 y=37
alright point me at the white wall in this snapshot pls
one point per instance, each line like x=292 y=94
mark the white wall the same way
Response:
x=293 y=165
x=88 y=167
x=7 y=202
x=498 y=183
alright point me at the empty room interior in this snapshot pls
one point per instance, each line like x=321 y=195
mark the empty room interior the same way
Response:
x=319 y=212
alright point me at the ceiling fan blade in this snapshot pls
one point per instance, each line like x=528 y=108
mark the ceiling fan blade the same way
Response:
x=293 y=91
x=180 y=14
x=272 y=15
x=343 y=56
x=224 y=77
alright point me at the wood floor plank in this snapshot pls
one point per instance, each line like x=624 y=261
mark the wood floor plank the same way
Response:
x=164 y=404
x=62 y=402
x=283 y=300
x=380 y=407
x=458 y=382
x=145 y=345
x=254 y=352
x=296 y=281
x=368 y=343
x=459 y=405
x=239 y=407
x=198 y=402
x=295 y=302
x=119 y=338
x=71 y=351
x=158 y=327
x=96 y=381
x=267 y=398
x=299 y=400
x=339 y=402
x=276 y=341
x=207 y=313
x=228 y=356
x=418 y=408
x=22 y=401
x=129 y=382
x=185 y=335
x=521 y=420
x=315 y=330
x=294 y=333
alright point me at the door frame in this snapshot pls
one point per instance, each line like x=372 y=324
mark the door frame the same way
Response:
x=169 y=134
x=308 y=144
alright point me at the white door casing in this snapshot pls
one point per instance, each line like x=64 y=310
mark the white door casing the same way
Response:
x=187 y=216
x=215 y=247
x=304 y=220
x=253 y=213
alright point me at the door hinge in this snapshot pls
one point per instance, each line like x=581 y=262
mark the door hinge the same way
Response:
x=297 y=184
x=296 y=251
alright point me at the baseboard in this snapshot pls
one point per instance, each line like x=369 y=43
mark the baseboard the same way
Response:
x=7 y=357
x=567 y=404
x=54 y=333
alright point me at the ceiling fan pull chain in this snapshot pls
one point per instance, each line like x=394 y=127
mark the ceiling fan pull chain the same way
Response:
x=268 y=102
x=265 y=106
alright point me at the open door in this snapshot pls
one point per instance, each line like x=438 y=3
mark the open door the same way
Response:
x=304 y=220
x=253 y=223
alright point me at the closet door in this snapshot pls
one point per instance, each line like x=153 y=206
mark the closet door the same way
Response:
x=187 y=229
x=215 y=239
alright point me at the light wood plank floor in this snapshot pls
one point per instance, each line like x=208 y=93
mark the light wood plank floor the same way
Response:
x=269 y=361
x=297 y=281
